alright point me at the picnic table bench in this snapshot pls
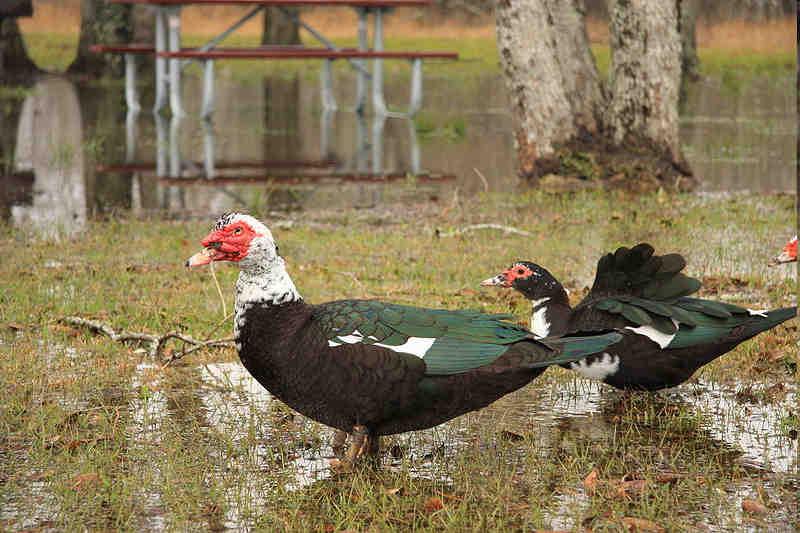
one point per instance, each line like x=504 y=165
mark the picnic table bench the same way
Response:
x=169 y=53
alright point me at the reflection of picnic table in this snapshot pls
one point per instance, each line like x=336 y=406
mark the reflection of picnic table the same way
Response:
x=365 y=164
x=170 y=57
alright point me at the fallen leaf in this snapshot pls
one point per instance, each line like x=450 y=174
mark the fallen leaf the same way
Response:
x=752 y=506
x=433 y=504
x=511 y=436
x=15 y=325
x=392 y=492
x=642 y=524
x=590 y=483
x=631 y=487
x=84 y=479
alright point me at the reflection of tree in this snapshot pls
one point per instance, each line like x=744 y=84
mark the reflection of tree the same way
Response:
x=14 y=60
x=15 y=186
x=49 y=143
x=103 y=117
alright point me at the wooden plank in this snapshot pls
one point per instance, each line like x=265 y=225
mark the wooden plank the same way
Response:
x=305 y=179
x=256 y=53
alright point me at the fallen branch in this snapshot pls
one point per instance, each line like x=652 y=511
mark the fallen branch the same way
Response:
x=473 y=227
x=155 y=343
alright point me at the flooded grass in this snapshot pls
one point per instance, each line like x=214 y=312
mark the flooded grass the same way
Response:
x=95 y=435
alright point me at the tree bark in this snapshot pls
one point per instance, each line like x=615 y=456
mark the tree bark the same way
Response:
x=14 y=60
x=102 y=23
x=550 y=76
x=687 y=22
x=645 y=74
x=278 y=28
x=566 y=121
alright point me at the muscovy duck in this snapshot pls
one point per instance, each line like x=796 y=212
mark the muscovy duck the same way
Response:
x=788 y=254
x=366 y=367
x=648 y=295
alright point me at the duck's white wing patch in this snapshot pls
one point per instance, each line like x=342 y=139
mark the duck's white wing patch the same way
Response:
x=758 y=312
x=599 y=369
x=540 y=326
x=659 y=337
x=417 y=346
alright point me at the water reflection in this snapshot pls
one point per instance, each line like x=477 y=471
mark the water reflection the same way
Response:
x=49 y=162
x=272 y=143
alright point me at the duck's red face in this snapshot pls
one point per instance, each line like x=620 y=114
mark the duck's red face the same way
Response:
x=788 y=254
x=507 y=278
x=229 y=242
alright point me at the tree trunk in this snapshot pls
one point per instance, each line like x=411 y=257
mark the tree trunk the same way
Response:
x=14 y=60
x=645 y=75
x=278 y=28
x=567 y=124
x=687 y=27
x=102 y=23
x=550 y=75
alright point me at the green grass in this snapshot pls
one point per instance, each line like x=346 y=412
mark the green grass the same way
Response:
x=477 y=57
x=95 y=435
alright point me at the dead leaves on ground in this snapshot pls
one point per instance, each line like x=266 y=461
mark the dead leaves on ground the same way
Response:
x=629 y=486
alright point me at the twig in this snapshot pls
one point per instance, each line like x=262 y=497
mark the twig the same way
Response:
x=219 y=324
x=473 y=227
x=219 y=289
x=156 y=343
x=483 y=179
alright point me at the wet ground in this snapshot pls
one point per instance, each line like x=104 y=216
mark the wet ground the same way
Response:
x=717 y=428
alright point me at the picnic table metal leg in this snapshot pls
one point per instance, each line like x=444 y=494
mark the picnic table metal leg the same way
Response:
x=210 y=148
x=131 y=98
x=416 y=157
x=161 y=62
x=378 y=103
x=209 y=91
x=325 y=133
x=175 y=162
x=175 y=94
x=326 y=83
x=161 y=146
x=378 y=122
x=130 y=135
x=362 y=144
x=415 y=101
x=361 y=74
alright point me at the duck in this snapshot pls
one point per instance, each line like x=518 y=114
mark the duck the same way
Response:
x=648 y=296
x=370 y=368
x=788 y=254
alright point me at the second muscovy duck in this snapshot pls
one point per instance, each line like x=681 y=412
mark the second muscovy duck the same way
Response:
x=647 y=294
x=788 y=254
x=366 y=367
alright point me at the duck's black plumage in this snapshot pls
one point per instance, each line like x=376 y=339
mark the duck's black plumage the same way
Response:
x=372 y=367
x=649 y=296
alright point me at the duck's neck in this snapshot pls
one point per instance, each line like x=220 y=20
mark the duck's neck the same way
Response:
x=263 y=284
x=550 y=312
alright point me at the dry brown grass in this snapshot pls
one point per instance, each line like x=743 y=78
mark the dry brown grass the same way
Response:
x=63 y=16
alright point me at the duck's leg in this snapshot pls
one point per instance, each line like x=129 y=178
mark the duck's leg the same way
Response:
x=338 y=442
x=362 y=442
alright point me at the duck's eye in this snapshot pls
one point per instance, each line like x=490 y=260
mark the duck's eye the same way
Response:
x=520 y=271
x=237 y=231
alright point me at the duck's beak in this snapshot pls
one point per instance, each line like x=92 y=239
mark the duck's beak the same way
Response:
x=783 y=258
x=498 y=281
x=203 y=257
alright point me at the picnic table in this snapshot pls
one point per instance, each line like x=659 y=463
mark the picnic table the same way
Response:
x=171 y=57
